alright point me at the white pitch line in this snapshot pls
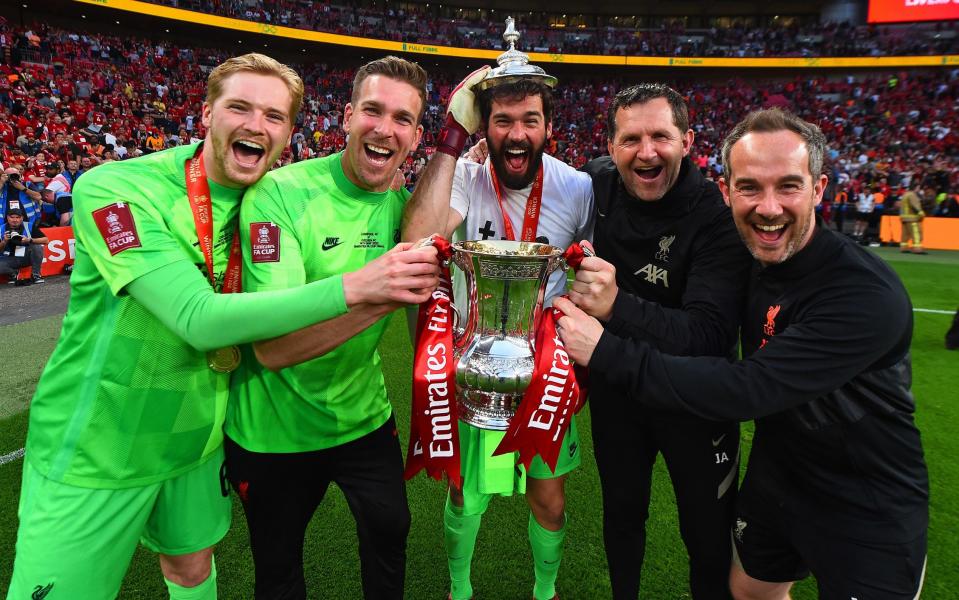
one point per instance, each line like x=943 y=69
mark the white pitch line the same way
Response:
x=15 y=455
x=934 y=311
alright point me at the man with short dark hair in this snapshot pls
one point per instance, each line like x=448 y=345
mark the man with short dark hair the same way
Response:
x=519 y=193
x=836 y=484
x=21 y=245
x=310 y=408
x=670 y=271
x=72 y=172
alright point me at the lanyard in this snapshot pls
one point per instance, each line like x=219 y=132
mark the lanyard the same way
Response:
x=198 y=191
x=530 y=216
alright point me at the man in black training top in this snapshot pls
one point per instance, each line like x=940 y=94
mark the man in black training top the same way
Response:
x=673 y=274
x=836 y=484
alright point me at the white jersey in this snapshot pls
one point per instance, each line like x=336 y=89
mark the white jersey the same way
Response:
x=566 y=212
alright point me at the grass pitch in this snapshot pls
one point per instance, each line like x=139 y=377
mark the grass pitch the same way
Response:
x=502 y=567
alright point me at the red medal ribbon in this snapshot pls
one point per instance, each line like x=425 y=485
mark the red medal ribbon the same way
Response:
x=553 y=395
x=198 y=192
x=434 y=427
x=531 y=216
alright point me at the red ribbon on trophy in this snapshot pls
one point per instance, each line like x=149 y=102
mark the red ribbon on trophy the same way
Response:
x=553 y=395
x=573 y=256
x=434 y=426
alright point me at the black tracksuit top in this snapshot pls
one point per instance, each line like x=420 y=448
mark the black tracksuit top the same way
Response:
x=826 y=375
x=680 y=265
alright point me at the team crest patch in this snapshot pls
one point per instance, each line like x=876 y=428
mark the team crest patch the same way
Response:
x=264 y=242
x=664 y=243
x=116 y=225
x=770 y=327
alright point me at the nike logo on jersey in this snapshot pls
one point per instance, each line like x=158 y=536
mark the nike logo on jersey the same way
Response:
x=654 y=274
x=719 y=440
x=331 y=242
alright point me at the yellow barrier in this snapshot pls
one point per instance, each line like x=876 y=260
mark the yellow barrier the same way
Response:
x=179 y=14
x=938 y=233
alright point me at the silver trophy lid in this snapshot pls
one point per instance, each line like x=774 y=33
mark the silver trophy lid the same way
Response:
x=513 y=64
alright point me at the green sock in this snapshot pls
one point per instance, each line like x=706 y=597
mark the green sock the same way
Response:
x=547 y=554
x=460 y=532
x=204 y=591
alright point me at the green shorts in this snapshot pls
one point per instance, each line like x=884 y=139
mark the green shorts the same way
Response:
x=485 y=475
x=78 y=541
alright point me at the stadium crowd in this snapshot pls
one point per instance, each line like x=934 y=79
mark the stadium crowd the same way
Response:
x=69 y=101
x=418 y=23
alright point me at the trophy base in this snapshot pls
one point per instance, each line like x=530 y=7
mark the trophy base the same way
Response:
x=487 y=410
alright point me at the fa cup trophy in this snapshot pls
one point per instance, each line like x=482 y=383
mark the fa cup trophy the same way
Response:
x=505 y=282
x=483 y=356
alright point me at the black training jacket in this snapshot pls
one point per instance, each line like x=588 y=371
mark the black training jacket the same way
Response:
x=827 y=377
x=680 y=266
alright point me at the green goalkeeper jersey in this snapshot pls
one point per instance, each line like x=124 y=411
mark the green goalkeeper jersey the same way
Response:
x=123 y=401
x=303 y=223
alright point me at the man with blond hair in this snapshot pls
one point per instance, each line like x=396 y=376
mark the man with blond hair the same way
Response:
x=125 y=436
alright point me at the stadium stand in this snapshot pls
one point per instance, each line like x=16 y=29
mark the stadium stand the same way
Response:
x=92 y=97
x=607 y=35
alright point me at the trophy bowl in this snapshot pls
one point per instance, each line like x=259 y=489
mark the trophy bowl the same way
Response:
x=493 y=342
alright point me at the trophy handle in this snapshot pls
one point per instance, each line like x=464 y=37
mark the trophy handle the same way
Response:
x=462 y=332
x=457 y=330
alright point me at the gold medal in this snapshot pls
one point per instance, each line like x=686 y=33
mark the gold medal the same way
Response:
x=223 y=360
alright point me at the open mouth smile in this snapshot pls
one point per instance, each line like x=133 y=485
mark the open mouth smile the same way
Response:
x=378 y=155
x=248 y=154
x=517 y=159
x=648 y=173
x=770 y=233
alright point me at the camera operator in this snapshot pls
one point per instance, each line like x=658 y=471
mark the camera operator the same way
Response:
x=15 y=194
x=21 y=245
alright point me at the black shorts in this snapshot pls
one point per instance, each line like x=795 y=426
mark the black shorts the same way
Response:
x=775 y=546
x=280 y=493
x=863 y=216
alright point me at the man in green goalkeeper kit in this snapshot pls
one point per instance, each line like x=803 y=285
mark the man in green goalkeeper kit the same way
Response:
x=310 y=408
x=125 y=436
